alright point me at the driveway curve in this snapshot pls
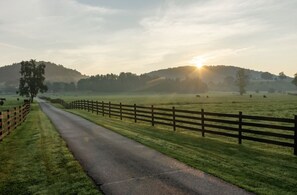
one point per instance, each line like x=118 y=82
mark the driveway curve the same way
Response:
x=122 y=166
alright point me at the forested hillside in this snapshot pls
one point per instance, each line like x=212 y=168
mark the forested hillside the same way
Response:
x=10 y=74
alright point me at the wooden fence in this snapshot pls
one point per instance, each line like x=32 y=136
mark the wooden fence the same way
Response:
x=269 y=130
x=12 y=118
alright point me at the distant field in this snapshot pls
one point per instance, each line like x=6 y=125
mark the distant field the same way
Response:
x=11 y=101
x=276 y=105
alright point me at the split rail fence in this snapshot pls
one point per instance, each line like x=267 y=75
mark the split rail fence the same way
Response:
x=10 y=119
x=269 y=130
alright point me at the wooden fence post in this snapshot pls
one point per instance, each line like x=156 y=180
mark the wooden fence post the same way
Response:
x=240 y=128
x=202 y=123
x=1 y=125
x=109 y=109
x=295 y=136
x=92 y=106
x=97 y=107
x=173 y=118
x=88 y=105
x=135 y=115
x=153 y=118
x=102 y=108
x=15 y=117
x=121 y=112
x=20 y=114
x=8 y=122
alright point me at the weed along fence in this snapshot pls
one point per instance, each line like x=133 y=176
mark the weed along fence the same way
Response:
x=269 y=130
x=12 y=118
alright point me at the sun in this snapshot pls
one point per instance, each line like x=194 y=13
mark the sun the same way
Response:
x=198 y=62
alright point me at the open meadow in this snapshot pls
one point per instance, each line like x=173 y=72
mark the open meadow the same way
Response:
x=276 y=105
x=258 y=167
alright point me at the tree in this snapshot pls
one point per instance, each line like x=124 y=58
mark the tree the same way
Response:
x=267 y=76
x=294 y=81
x=32 y=79
x=282 y=76
x=241 y=80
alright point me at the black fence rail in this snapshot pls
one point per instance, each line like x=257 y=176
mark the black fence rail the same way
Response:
x=12 y=118
x=269 y=130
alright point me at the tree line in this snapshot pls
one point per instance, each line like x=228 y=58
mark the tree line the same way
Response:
x=32 y=82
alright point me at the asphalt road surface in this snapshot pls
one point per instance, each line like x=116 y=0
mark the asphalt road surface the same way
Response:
x=122 y=166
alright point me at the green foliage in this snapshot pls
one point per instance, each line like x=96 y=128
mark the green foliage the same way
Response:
x=32 y=79
x=241 y=80
x=282 y=76
x=35 y=160
x=128 y=82
x=267 y=76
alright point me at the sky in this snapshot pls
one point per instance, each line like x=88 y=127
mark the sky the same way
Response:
x=113 y=36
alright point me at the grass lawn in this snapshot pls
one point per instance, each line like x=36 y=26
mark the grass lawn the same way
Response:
x=11 y=101
x=259 y=168
x=35 y=160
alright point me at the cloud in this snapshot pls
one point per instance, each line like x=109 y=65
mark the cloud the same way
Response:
x=99 y=39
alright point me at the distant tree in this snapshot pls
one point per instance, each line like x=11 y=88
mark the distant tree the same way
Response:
x=241 y=80
x=267 y=76
x=32 y=79
x=294 y=81
x=282 y=76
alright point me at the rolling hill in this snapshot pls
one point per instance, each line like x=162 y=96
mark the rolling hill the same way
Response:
x=206 y=73
x=9 y=75
x=221 y=78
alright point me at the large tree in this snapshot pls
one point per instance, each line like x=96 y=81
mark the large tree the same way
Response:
x=294 y=81
x=242 y=80
x=282 y=76
x=32 y=79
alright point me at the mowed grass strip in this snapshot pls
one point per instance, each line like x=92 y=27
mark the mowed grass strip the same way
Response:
x=35 y=160
x=263 y=170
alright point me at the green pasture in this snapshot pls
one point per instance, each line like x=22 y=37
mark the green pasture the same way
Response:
x=257 y=167
x=276 y=105
x=11 y=101
x=35 y=160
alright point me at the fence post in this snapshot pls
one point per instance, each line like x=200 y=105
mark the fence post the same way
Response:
x=240 y=128
x=1 y=125
x=8 y=122
x=102 y=108
x=88 y=105
x=20 y=114
x=135 y=115
x=173 y=118
x=295 y=136
x=97 y=107
x=15 y=118
x=121 y=113
x=202 y=123
x=153 y=118
x=92 y=106
x=109 y=109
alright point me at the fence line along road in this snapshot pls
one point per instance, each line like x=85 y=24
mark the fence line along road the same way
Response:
x=269 y=130
x=12 y=118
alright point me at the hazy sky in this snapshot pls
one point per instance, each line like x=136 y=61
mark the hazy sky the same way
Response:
x=104 y=36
